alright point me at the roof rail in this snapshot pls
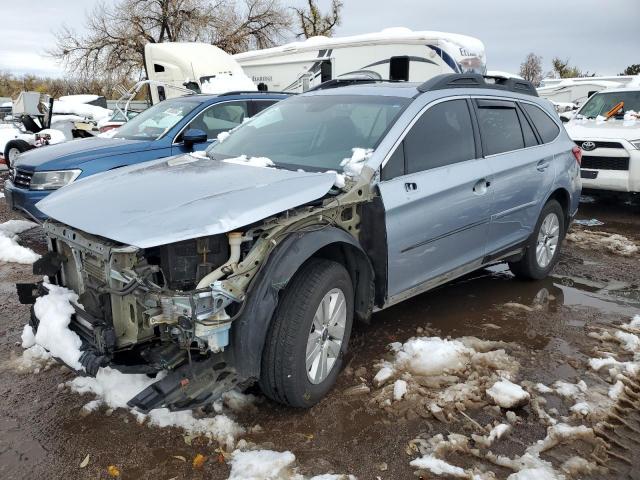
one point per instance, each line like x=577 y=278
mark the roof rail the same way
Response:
x=252 y=92
x=475 y=80
x=344 y=82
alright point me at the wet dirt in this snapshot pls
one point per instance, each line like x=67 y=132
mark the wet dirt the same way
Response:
x=44 y=435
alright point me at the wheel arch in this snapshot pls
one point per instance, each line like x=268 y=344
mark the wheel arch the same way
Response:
x=562 y=196
x=249 y=331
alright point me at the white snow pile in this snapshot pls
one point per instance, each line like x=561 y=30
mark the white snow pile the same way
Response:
x=506 y=394
x=228 y=82
x=54 y=311
x=528 y=466
x=10 y=249
x=437 y=377
x=617 y=244
x=262 y=162
x=222 y=136
x=352 y=167
x=55 y=136
x=270 y=465
x=83 y=110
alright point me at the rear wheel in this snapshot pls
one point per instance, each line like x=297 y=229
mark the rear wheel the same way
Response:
x=13 y=148
x=543 y=247
x=309 y=334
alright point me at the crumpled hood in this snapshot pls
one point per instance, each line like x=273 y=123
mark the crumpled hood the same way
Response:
x=614 y=129
x=180 y=198
x=73 y=153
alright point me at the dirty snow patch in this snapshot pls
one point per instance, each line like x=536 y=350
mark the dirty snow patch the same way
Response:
x=438 y=467
x=508 y=395
x=614 y=243
x=114 y=389
x=431 y=356
x=10 y=249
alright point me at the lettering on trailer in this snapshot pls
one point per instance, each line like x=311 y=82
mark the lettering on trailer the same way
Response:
x=264 y=78
x=464 y=52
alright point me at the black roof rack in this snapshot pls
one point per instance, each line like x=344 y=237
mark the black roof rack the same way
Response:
x=344 y=82
x=475 y=80
x=253 y=92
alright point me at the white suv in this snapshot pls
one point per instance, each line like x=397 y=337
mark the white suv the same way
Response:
x=607 y=128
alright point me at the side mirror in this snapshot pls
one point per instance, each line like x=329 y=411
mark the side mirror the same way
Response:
x=193 y=136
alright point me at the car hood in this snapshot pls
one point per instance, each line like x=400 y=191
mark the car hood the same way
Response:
x=592 y=129
x=73 y=153
x=180 y=198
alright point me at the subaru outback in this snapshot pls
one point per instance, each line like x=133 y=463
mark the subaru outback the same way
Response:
x=251 y=263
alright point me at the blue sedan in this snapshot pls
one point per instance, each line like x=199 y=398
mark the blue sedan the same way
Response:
x=172 y=127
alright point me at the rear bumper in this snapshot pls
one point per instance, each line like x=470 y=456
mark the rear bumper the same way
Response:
x=24 y=201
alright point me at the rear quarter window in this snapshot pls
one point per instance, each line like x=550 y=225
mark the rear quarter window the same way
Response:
x=547 y=128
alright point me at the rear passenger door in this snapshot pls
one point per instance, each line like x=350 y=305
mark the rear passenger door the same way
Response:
x=436 y=197
x=522 y=171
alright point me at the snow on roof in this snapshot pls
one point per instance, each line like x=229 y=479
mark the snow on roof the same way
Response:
x=86 y=98
x=388 y=35
x=499 y=73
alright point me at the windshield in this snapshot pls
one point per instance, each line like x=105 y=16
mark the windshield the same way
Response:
x=313 y=132
x=601 y=103
x=156 y=120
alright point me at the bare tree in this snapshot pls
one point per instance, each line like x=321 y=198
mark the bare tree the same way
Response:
x=313 y=23
x=117 y=33
x=562 y=69
x=531 y=69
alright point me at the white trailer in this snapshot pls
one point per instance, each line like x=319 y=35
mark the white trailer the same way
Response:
x=392 y=54
x=578 y=90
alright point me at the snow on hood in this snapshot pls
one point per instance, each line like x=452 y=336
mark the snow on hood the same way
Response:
x=167 y=201
x=581 y=129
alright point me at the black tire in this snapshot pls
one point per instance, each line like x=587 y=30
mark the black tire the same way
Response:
x=19 y=145
x=527 y=267
x=284 y=372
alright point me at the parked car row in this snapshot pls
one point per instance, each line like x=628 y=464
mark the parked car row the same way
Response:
x=251 y=261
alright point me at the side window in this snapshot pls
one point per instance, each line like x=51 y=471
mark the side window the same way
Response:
x=499 y=126
x=547 y=128
x=395 y=165
x=529 y=137
x=260 y=105
x=442 y=135
x=219 y=118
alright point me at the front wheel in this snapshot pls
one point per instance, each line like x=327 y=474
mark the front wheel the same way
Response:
x=543 y=247
x=309 y=334
x=13 y=148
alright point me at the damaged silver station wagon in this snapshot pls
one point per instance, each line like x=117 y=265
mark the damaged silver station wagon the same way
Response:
x=252 y=262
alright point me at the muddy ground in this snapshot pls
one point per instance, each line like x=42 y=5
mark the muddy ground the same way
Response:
x=43 y=435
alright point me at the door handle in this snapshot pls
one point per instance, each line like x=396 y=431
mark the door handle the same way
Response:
x=542 y=165
x=410 y=186
x=481 y=186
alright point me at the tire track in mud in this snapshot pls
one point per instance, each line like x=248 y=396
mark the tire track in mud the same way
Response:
x=621 y=431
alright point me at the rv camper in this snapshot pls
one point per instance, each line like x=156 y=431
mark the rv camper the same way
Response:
x=578 y=90
x=393 y=54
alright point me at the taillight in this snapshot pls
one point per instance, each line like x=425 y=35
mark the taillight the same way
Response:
x=577 y=152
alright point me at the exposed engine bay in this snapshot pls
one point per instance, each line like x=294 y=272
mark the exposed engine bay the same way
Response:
x=169 y=308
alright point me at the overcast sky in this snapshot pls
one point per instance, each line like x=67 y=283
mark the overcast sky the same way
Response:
x=596 y=35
